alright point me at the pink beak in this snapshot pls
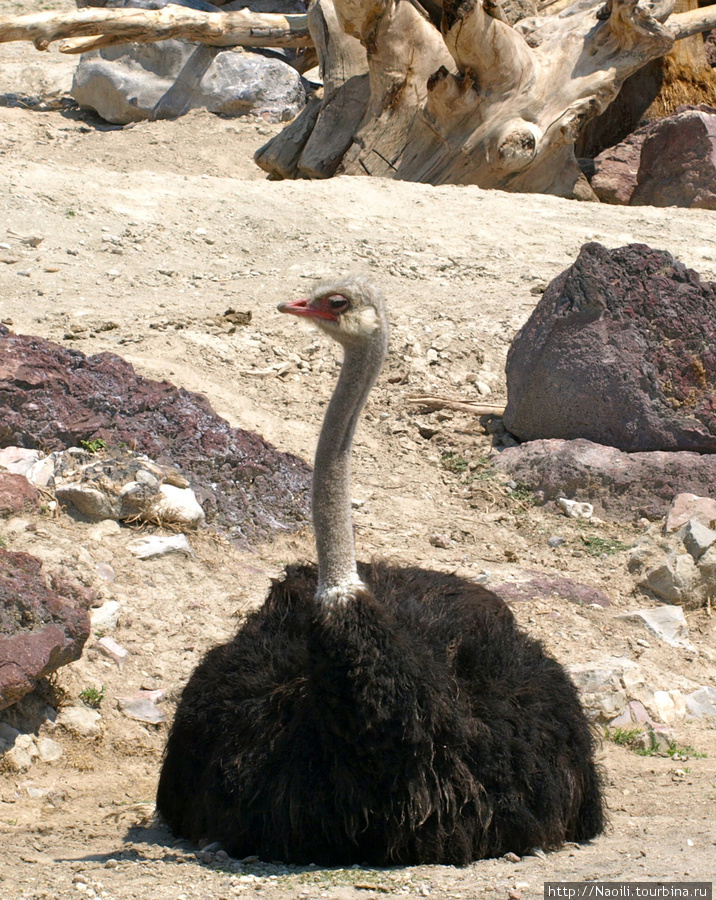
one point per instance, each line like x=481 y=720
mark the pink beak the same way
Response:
x=304 y=308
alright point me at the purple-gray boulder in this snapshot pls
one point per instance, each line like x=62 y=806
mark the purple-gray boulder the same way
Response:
x=616 y=168
x=621 y=486
x=678 y=161
x=40 y=630
x=55 y=397
x=620 y=350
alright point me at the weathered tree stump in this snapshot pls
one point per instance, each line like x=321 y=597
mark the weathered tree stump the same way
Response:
x=476 y=101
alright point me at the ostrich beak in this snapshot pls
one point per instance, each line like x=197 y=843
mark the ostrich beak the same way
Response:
x=311 y=309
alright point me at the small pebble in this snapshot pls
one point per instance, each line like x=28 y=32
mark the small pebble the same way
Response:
x=511 y=857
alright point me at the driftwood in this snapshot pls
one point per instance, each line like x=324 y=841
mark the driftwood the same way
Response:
x=476 y=101
x=240 y=28
x=433 y=403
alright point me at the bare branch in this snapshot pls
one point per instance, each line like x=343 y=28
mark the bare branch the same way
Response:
x=683 y=25
x=220 y=29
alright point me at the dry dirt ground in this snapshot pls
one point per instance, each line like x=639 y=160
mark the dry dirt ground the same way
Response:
x=148 y=232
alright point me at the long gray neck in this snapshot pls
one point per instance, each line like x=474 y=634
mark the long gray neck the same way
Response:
x=332 y=518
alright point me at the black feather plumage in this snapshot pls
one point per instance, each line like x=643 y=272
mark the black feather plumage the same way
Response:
x=415 y=724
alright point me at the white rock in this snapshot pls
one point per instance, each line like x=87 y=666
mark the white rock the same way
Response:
x=574 y=509
x=18 y=460
x=179 y=505
x=48 y=750
x=702 y=702
x=142 y=709
x=156 y=545
x=103 y=529
x=42 y=472
x=106 y=617
x=79 y=720
x=668 y=623
x=669 y=706
x=607 y=685
x=27 y=742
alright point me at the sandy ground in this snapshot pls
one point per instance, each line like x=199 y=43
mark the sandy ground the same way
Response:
x=148 y=232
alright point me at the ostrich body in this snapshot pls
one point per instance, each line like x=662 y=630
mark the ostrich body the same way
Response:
x=371 y=713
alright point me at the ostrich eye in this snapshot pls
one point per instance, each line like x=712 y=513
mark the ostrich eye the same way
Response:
x=338 y=303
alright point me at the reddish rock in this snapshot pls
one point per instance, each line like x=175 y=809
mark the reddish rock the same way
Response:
x=621 y=486
x=678 y=161
x=40 y=630
x=541 y=586
x=56 y=397
x=616 y=169
x=688 y=506
x=16 y=494
x=620 y=350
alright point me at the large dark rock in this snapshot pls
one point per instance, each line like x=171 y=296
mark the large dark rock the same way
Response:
x=40 y=630
x=54 y=397
x=616 y=168
x=678 y=161
x=621 y=350
x=621 y=486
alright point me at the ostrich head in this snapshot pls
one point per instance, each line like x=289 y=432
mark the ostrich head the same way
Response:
x=351 y=311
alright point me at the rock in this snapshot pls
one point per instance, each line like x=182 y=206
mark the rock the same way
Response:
x=575 y=510
x=49 y=750
x=40 y=629
x=246 y=488
x=156 y=545
x=606 y=686
x=669 y=706
x=698 y=538
x=16 y=494
x=686 y=506
x=635 y=713
x=18 y=460
x=620 y=485
x=675 y=579
x=106 y=617
x=616 y=169
x=702 y=702
x=89 y=501
x=540 y=586
x=134 y=82
x=18 y=759
x=113 y=650
x=177 y=505
x=668 y=623
x=106 y=528
x=678 y=161
x=620 y=351
x=142 y=709
x=79 y=720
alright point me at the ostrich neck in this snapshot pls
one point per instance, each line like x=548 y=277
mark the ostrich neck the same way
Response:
x=332 y=518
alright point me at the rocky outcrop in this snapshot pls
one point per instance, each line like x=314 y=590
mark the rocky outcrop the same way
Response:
x=163 y=80
x=40 y=629
x=620 y=350
x=678 y=161
x=57 y=398
x=621 y=485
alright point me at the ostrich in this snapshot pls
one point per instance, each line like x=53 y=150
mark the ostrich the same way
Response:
x=372 y=713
